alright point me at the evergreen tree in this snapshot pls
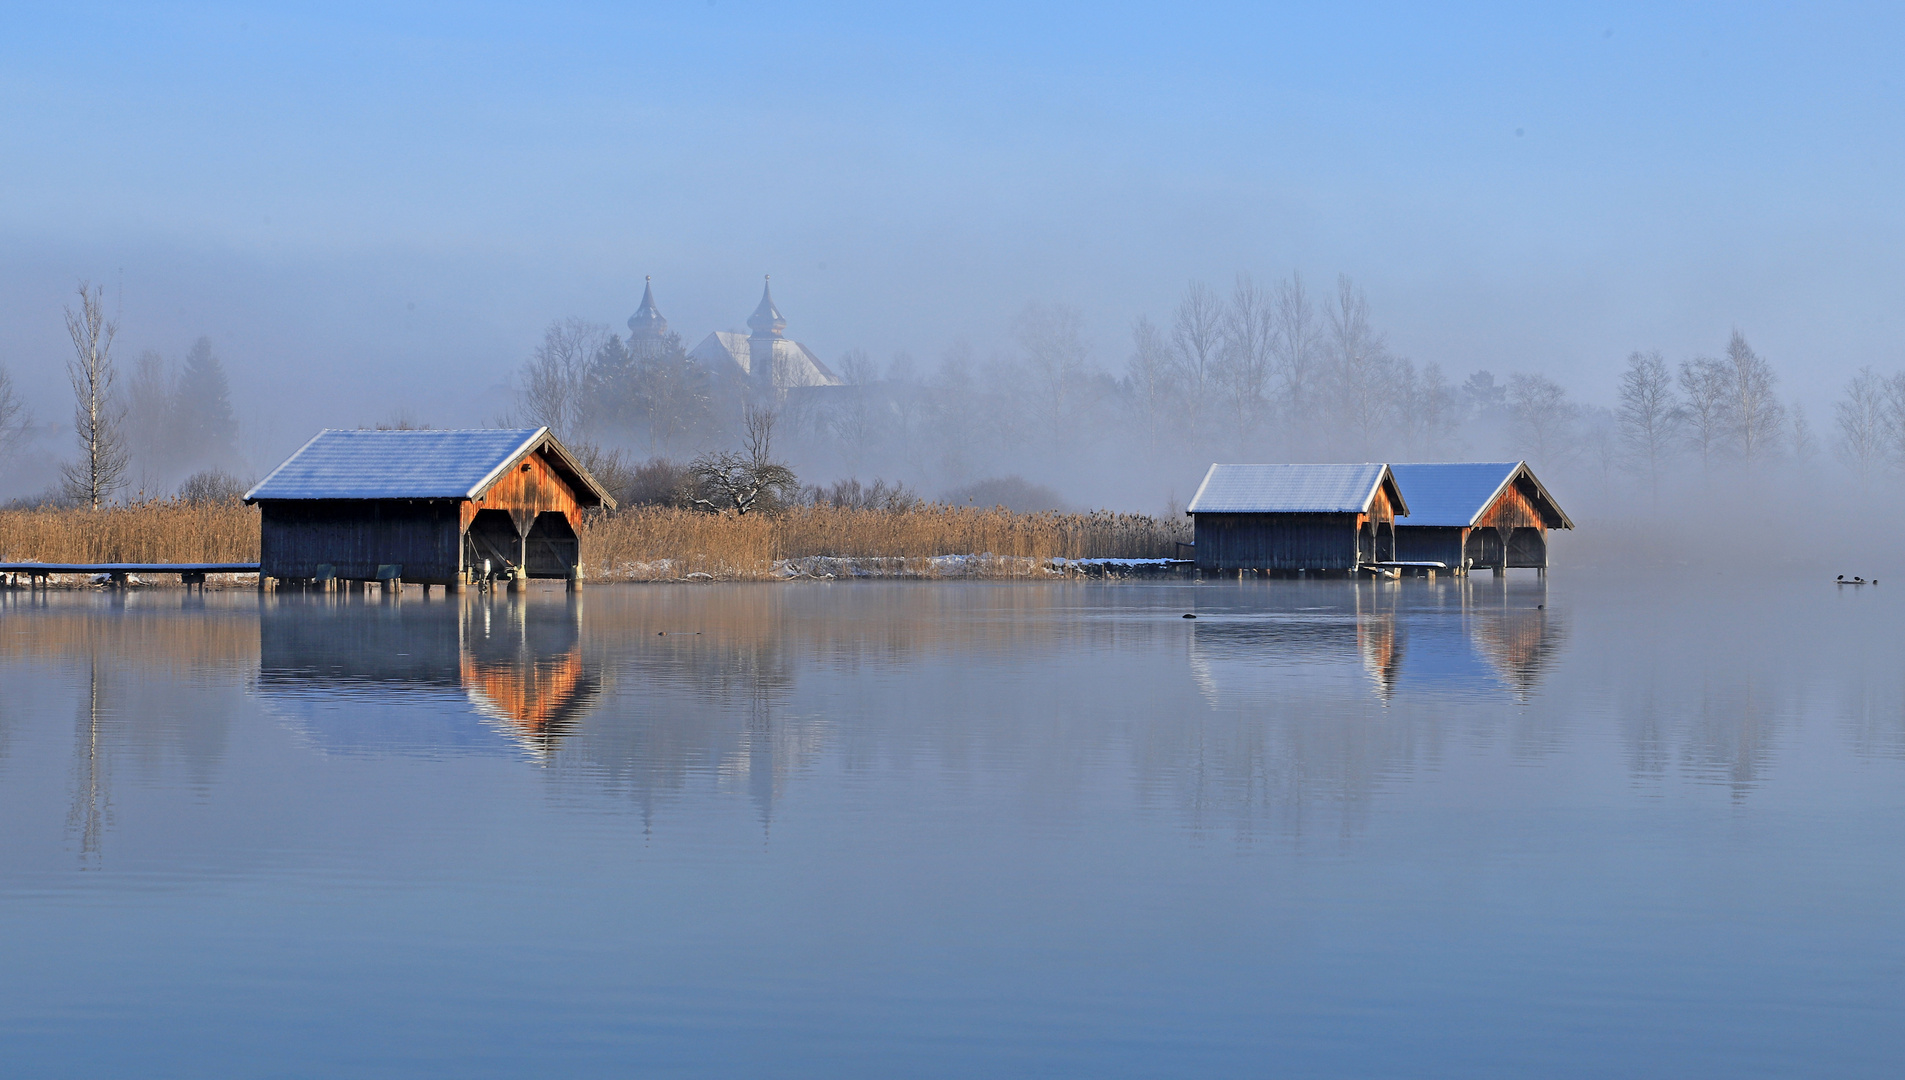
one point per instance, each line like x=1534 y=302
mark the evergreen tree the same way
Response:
x=207 y=429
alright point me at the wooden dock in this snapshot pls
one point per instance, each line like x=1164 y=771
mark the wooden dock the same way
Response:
x=119 y=573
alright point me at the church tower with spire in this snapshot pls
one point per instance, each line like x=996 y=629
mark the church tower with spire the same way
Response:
x=647 y=330
x=764 y=336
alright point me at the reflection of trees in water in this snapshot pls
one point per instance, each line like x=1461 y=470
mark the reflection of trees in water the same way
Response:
x=154 y=682
x=708 y=676
x=1282 y=766
x=1317 y=701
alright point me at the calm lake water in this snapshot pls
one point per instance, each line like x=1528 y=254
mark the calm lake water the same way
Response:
x=1593 y=826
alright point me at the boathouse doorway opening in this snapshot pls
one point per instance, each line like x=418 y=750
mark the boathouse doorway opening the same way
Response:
x=492 y=536
x=1484 y=547
x=1527 y=547
x=553 y=548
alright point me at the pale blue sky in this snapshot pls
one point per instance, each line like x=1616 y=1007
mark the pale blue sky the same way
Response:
x=362 y=201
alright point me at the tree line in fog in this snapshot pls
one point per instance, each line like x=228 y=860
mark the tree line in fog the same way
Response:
x=1258 y=372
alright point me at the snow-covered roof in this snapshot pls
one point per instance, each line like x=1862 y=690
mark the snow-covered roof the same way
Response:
x=1455 y=493
x=1292 y=489
x=430 y=464
x=1452 y=493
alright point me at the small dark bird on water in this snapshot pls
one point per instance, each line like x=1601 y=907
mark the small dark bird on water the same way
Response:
x=1190 y=616
x=1541 y=607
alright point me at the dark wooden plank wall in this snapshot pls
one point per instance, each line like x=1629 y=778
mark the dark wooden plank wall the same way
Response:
x=356 y=536
x=1276 y=541
x=1429 y=543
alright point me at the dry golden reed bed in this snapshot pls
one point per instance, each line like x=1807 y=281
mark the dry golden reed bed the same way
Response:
x=650 y=543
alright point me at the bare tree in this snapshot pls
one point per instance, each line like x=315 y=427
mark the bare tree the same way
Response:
x=1757 y=416
x=1149 y=375
x=1705 y=388
x=1648 y=415
x=1298 y=347
x=1433 y=412
x=856 y=422
x=1543 y=417
x=1197 y=340
x=747 y=481
x=1860 y=418
x=1602 y=440
x=1805 y=443
x=1362 y=369
x=150 y=427
x=16 y=422
x=1247 y=356
x=1053 y=337
x=1894 y=415
x=102 y=464
x=550 y=392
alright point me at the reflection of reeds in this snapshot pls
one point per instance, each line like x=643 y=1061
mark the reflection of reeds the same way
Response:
x=145 y=532
x=643 y=542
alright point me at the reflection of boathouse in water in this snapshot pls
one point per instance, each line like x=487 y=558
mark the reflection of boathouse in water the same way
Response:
x=1395 y=638
x=361 y=676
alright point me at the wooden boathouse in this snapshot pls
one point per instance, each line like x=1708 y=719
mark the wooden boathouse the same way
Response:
x=1296 y=517
x=1477 y=514
x=432 y=507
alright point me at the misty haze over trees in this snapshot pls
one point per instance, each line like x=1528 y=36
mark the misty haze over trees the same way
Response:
x=1064 y=417
x=1277 y=371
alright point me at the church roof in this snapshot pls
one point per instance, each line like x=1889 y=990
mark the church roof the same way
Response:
x=766 y=318
x=647 y=320
x=723 y=351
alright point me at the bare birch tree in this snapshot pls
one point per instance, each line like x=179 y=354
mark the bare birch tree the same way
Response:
x=96 y=475
x=1705 y=389
x=1757 y=416
x=1648 y=415
x=1197 y=338
x=1860 y=417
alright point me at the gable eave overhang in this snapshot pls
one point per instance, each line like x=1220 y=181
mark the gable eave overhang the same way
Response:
x=1385 y=478
x=251 y=497
x=585 y=486
x=1190 y=509
x=1562 y=520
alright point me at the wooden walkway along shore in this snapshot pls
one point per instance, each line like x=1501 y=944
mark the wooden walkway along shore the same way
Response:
x=118 y=573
